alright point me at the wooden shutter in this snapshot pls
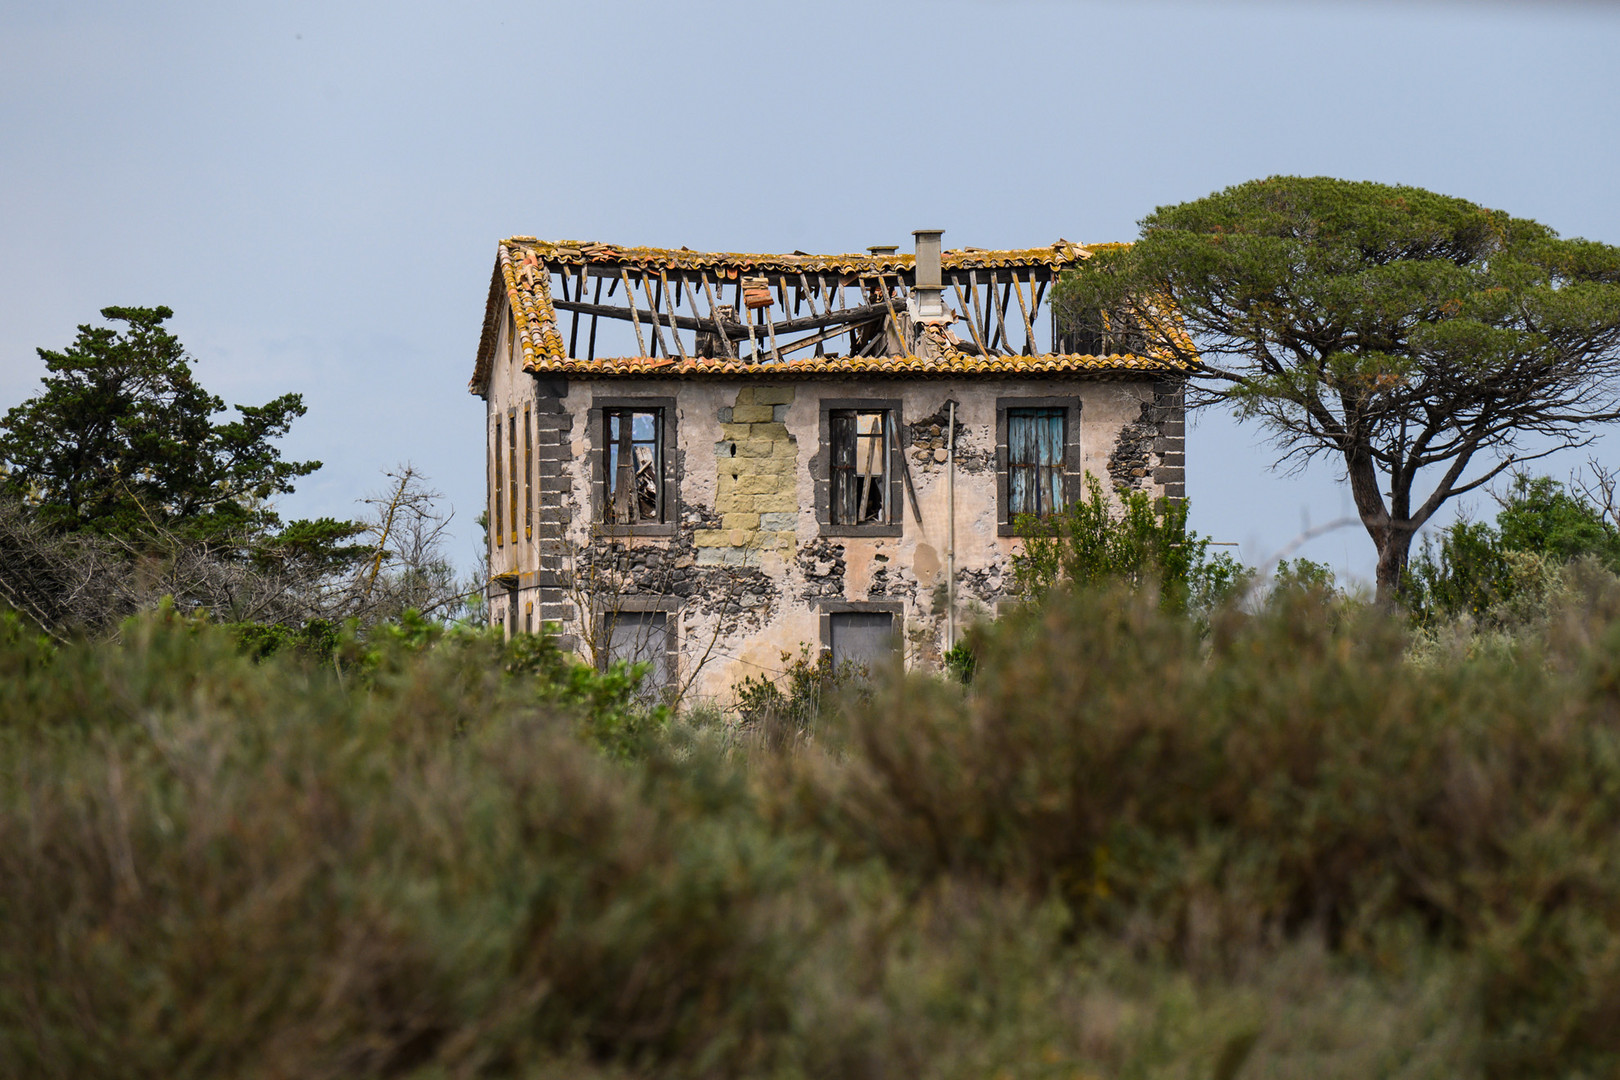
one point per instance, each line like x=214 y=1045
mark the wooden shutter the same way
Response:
x=845 y=489
x=1034 y=461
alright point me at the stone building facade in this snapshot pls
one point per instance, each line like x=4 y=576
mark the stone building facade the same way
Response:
x=712 y=496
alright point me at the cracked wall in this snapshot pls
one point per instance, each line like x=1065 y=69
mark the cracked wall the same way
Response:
x=747 y=569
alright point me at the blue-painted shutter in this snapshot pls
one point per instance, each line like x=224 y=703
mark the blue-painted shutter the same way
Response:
x=1034 y=461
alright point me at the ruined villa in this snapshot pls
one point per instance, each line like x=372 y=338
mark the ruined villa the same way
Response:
x=707 y=460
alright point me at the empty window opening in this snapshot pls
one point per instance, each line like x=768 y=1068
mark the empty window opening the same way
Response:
x=635 y=467
x=1035 y=461
x=640 y=637
x=512 y=472
x=861 y=639
x=497 y=525
x=528 y=477
x=859 y=467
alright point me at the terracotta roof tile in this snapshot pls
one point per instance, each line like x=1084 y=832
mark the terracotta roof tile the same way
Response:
x=524 y=265
x=959 y=365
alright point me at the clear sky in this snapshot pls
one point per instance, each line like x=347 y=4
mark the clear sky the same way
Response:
x=317 y=188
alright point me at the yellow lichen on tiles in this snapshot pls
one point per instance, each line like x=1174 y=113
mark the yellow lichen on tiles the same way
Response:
x=525 y=266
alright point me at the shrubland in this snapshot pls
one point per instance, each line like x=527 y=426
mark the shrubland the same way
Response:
x=1133 y=845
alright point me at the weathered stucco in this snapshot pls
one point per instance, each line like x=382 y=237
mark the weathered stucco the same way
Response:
x=748 y=567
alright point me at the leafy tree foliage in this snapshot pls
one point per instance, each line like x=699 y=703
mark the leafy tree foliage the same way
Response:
x=123 y=441
x=1476 y=568
x=1402 y=333
x=1146 y=542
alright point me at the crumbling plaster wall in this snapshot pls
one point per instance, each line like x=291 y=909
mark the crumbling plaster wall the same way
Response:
x=749 y=566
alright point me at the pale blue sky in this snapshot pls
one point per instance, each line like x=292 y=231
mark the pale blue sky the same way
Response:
x=317 y=189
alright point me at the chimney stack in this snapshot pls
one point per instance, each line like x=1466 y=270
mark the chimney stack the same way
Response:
x=929 y=288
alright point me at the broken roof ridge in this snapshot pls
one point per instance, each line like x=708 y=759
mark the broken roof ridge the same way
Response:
x=522 y=283
x=589 y=252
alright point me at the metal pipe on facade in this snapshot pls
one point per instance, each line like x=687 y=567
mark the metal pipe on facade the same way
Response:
x=950 y=531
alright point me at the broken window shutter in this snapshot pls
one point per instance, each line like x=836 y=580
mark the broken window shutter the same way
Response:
x=841 y=430
x=528 y=477
x=1049 y=433
x=1021 y=485
x=624 y=478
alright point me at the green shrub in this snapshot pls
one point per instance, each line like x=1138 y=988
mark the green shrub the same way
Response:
x=1144 y=542
x=1132 y=846
x=219 y=867
x=1295 y=779
x=1507 y=575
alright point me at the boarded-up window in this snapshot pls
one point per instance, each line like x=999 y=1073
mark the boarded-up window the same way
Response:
x=634 y=466
x=864 y=639
x=859 y=467
x=1034 y=461
x=497 y=525
x=640 y=637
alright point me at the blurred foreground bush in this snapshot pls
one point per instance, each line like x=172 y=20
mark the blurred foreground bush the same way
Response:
x=1292 y=778
x=1132 y=846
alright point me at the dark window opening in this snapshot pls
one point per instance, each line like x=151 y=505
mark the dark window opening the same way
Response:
x=635 y=467
x=862 y=639
x=512 y=473
x=1035 y=461
x=859 y=467
x=640 y=637
x=499 y=530
x=528 y=477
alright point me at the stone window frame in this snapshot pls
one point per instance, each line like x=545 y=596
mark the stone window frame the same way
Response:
x=821 y=468
x=640 y=604
x=1074 y=487
x=597 y=450
x=829 y=608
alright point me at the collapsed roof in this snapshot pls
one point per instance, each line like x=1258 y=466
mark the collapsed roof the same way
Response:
x=960 y=313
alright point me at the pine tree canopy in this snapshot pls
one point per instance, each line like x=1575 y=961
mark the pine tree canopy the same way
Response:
x=1425 y=343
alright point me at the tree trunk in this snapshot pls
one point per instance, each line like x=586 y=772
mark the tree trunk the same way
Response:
x=1392 y=538
x=1393 y=549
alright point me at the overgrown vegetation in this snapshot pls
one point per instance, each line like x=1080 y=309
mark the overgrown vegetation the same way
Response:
x=1497 y=575
x=1132 y=539
x=1154 y=823
x=1269 y=846
x=121 y=483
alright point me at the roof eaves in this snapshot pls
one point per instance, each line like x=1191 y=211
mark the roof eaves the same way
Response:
x=958 y=365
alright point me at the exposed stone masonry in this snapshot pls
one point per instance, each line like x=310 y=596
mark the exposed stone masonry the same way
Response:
x=756 y=495
x=1170 y=416
x=821 y=562
x=928 y=439
x=1152 y=449
x=890 y=582
x=1130 y=465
